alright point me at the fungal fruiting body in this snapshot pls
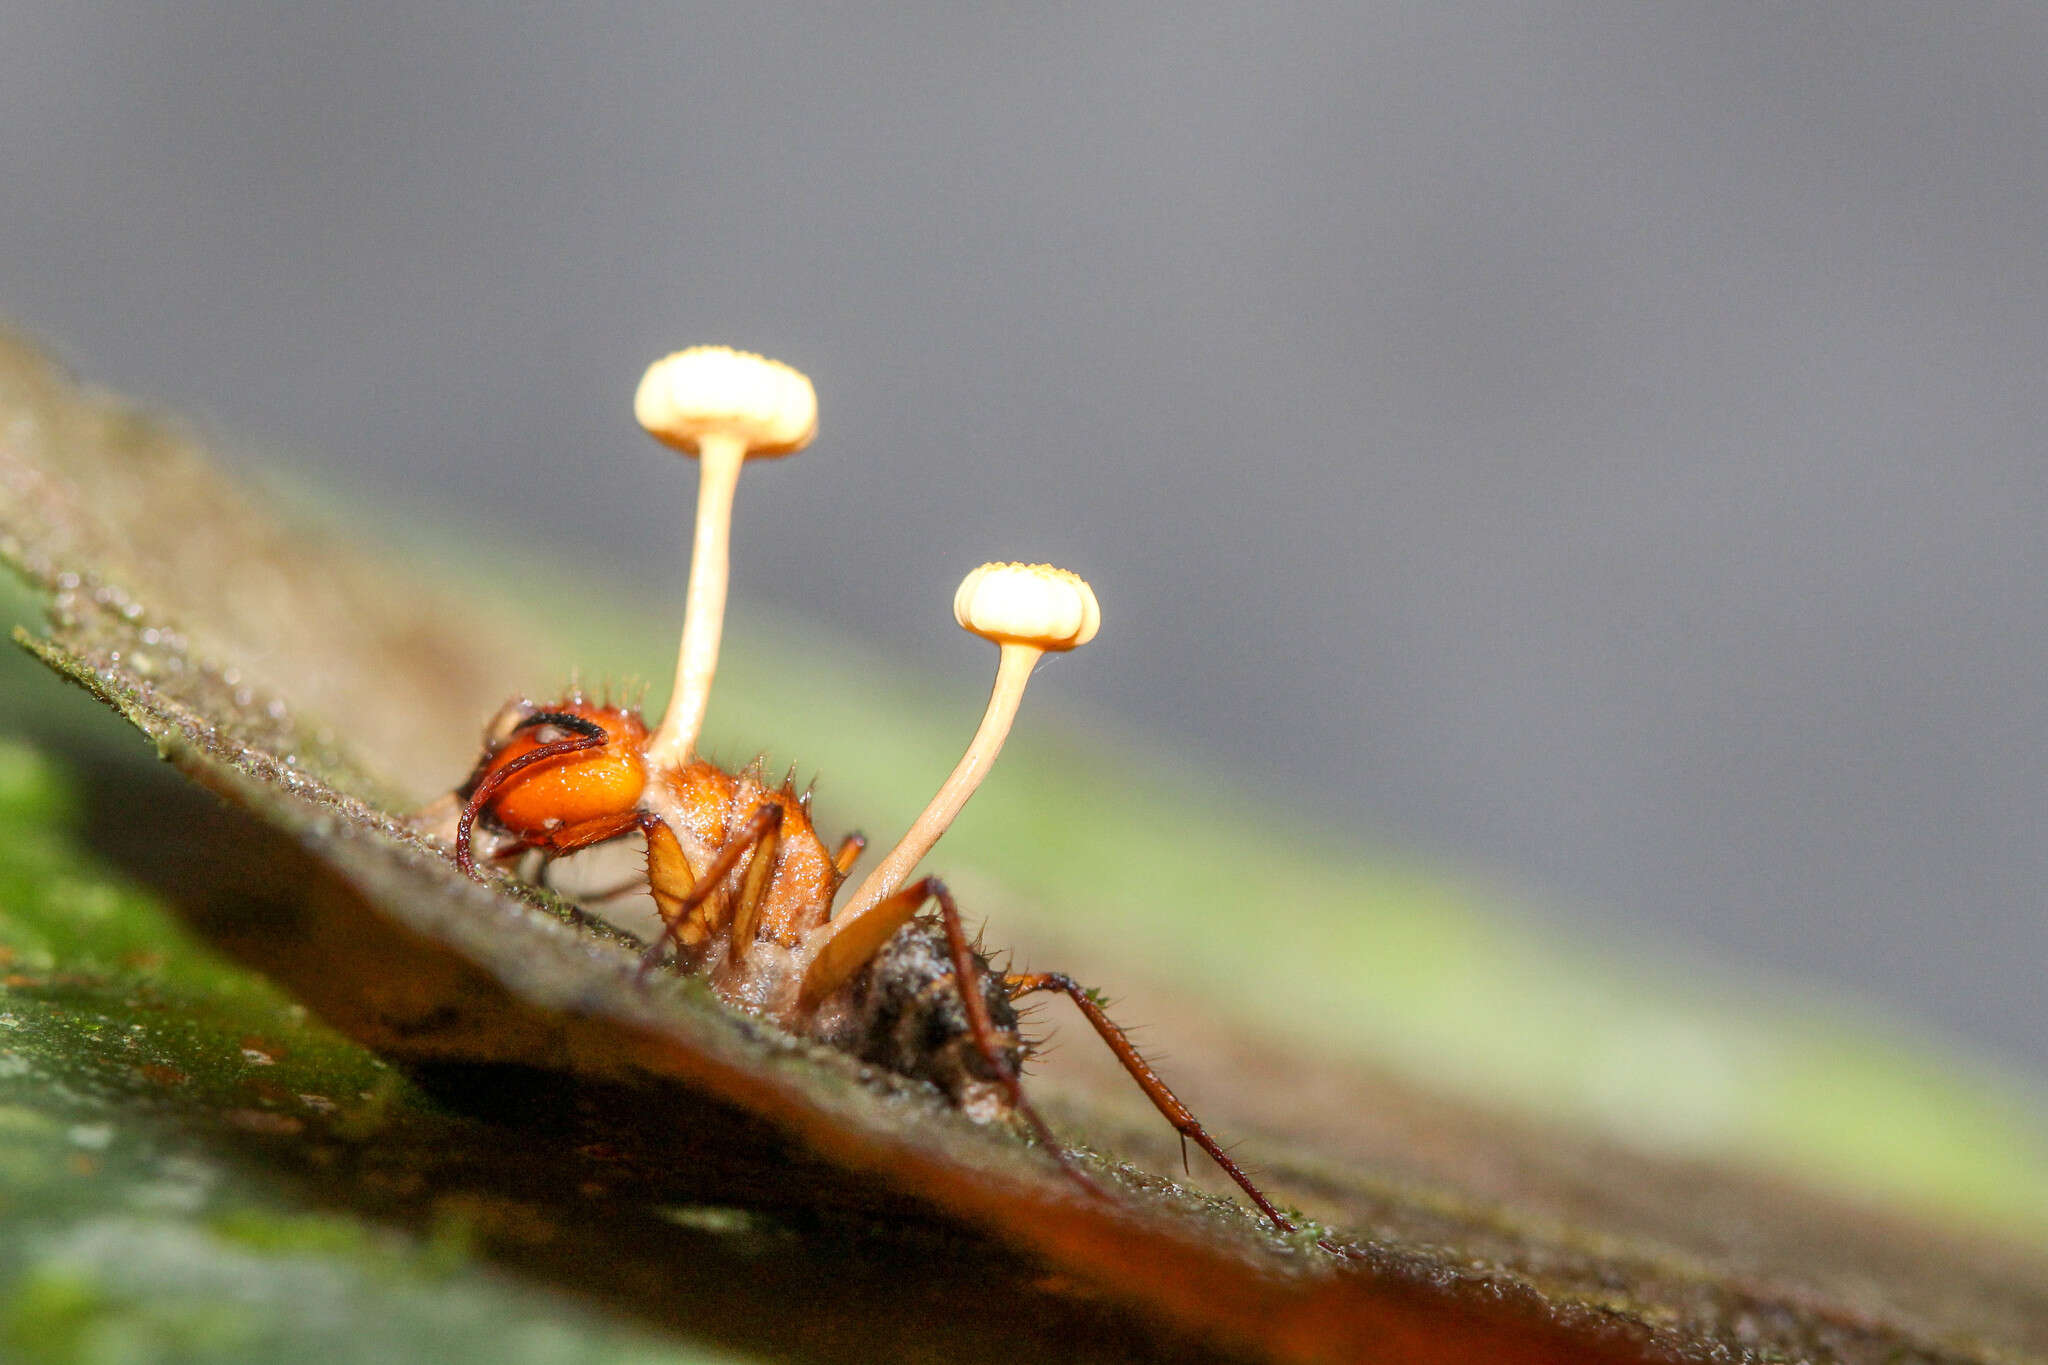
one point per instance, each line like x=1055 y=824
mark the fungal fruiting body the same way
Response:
x=744 y=884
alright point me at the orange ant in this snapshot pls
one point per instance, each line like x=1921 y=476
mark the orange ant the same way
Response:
x=743 y=883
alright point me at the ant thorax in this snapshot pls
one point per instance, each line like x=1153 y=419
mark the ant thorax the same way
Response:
x=707 y=808
x=747 y=894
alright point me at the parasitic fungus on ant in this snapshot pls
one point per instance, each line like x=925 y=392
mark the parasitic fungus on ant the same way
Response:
x=1028 y=611
x=744 y=885
x=725 y=407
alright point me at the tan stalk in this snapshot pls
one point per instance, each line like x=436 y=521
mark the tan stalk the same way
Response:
x=718 y=478
x=724 y=407
x=1028 y=610
x=1013 y=671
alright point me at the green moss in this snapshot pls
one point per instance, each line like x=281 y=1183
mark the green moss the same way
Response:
x=266 y=1231
x=62 y=1315
x=132 y=1063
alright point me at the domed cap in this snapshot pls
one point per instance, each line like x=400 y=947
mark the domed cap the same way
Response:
x=1028 y=604
x=766 y=406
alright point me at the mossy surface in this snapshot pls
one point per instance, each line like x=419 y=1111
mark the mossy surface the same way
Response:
x=528 y=1112
x=153 y=1100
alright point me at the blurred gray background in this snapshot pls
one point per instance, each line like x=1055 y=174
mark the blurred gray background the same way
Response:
x=1598 y=445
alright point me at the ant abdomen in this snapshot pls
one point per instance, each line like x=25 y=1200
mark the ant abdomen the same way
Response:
x=906 y=1015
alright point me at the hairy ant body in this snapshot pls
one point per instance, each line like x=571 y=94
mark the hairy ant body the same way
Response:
x=745 y=887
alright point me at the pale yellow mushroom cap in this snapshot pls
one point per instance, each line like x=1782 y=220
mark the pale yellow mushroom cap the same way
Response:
x=714 y=390
x=1028 y=604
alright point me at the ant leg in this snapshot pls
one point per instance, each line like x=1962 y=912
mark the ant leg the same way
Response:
x=668 y=872
x=754 y=887
x=1164 y=1100
x=567 y=839
x=967 y=980
x=665 y=864
x=841 y=947
x=850 y=849
x=685 y=921
x=611 y=893
x=667 y=877
x=589 y=735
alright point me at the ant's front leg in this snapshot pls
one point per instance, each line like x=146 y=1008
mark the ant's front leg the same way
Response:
x=1164 y=1100
x=668 y=873
x=682 y=903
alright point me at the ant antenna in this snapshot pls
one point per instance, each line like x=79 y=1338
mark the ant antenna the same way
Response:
x=1027 y=610
x=724 y=407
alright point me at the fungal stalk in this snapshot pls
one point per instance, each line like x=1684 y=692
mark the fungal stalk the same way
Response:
x=724 y=407
x=1027 y=610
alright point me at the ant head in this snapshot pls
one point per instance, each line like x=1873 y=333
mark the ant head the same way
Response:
x=590 y=783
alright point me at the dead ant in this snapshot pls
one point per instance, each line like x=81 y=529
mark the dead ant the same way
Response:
x=743 y=883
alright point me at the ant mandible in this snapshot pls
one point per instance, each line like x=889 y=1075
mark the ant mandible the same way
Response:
x=744 y=885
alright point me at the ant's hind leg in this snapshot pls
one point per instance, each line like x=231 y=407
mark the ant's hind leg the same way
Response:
x=1164 y=1100
x=967 y=980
